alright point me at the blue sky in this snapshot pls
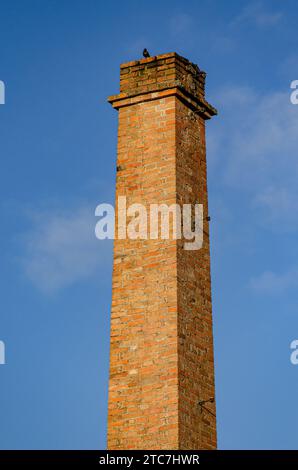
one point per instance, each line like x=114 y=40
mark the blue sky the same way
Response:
x=59 y=61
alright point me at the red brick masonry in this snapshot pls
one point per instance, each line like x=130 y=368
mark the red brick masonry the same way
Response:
x=161 y=358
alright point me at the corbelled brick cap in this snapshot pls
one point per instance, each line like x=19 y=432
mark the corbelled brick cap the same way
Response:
x=160 y=76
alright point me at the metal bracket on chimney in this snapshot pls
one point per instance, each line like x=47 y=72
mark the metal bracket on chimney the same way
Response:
x=203 y=402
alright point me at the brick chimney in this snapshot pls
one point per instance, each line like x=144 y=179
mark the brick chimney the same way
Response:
x=161 y=382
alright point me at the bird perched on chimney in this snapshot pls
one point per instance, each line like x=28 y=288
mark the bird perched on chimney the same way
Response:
x=146 y=53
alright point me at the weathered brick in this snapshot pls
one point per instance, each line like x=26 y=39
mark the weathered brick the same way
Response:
x=161 y=356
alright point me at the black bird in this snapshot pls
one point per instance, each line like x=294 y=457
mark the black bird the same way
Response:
x=146 y=53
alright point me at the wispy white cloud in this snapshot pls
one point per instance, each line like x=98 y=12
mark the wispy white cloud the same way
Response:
x=60 y=249
x=278 y=204
x=272 y=283
x=254 y=147
x=258 y=14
